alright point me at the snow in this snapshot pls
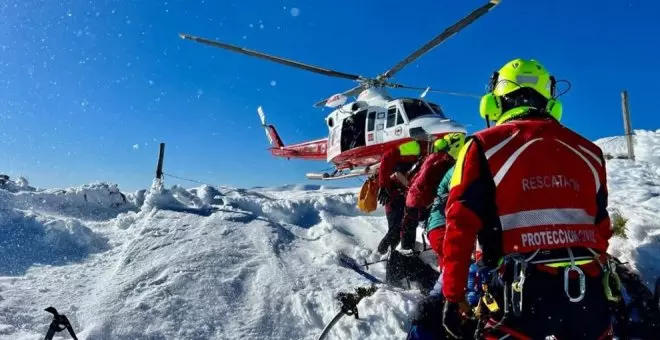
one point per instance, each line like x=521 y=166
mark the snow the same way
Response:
x=231 y=263
x=646 y=146
x=634 y=189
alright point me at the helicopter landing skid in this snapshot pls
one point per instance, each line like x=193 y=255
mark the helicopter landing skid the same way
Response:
x=340 y=174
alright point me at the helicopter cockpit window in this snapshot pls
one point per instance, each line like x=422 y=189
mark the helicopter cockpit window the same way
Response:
x=331 y=122
x=391 y=117
x=416 y=108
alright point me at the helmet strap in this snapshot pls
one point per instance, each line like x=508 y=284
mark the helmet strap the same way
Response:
x=487 y=121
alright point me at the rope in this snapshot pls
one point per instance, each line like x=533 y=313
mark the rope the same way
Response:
x=184 y=179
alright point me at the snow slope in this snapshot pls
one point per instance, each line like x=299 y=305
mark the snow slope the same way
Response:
x=228 y=263
x=634 y=189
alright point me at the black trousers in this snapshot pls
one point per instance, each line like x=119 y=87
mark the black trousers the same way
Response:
x=394 y=214
x=411 y=218
x=547 y=310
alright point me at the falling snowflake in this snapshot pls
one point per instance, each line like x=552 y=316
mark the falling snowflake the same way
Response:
x=261 y=26
x=251 y=25
x=200 y=92
x=244 y=37
x=136 y=146
x=273 y=83
x=151 y=82
x=295 y=11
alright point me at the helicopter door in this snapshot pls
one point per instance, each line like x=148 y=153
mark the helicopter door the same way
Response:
x=394 y=124
x=334 y=141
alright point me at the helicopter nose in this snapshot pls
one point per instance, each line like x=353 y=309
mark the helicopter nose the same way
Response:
x=434 y=126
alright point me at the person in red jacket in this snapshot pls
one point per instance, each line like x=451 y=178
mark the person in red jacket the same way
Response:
x=534 y=193
x=423 y=188
x=393 y=183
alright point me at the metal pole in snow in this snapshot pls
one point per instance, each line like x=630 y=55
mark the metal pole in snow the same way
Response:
x=627 y=126
x=159 y=167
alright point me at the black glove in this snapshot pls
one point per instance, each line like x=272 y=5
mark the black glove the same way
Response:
x=452 y=319
x=383 y=196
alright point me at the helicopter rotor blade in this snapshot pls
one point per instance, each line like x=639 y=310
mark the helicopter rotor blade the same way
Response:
x=427 y=89
x=279 y=60
x=447 y=33
x=348 y=93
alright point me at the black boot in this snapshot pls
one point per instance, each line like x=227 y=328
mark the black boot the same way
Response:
x=390 y=240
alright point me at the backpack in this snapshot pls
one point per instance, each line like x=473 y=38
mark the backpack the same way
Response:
x=368 y=198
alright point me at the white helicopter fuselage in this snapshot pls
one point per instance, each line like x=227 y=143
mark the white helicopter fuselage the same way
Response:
x=379 y=120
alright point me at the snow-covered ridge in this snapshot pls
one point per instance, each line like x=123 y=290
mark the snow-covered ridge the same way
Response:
x=646 y=146
x=230 y=263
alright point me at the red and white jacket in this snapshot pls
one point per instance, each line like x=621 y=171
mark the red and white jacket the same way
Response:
x=521 y=186
x=424 y=184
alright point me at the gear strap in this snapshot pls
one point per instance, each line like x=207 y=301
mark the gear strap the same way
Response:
x=59 y=323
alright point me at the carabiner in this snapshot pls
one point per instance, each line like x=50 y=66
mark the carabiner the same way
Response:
x=582 y=279
x=609 y=273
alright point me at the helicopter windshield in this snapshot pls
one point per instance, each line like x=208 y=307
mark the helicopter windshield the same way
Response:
x=416 y=108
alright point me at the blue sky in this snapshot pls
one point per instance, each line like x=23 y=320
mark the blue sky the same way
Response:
x=89 y=89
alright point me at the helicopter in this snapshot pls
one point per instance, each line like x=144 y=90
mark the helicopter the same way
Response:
x=361 y=131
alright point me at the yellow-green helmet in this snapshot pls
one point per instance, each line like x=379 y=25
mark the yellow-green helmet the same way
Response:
x=411 y=148
x=523 y=73
x=452 y=143
x=522 y=78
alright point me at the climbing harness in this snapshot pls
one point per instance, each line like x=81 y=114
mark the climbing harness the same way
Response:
x=59 y=323
x=348 y=303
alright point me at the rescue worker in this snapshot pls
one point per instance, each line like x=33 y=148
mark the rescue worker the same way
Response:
x=451 y=144
x=392 y=182
x=404 y=262
x=424 y=325
x=424 y=184
x=535 y=194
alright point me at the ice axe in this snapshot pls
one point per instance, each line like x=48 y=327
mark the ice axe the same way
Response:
x=59 y=323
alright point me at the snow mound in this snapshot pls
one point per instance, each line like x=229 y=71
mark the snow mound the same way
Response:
x=28 y=239
x=176 y=199
x=95 y=202
x=213 y=263
x=645 y=143
x=303 y=208
x=20 y=184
